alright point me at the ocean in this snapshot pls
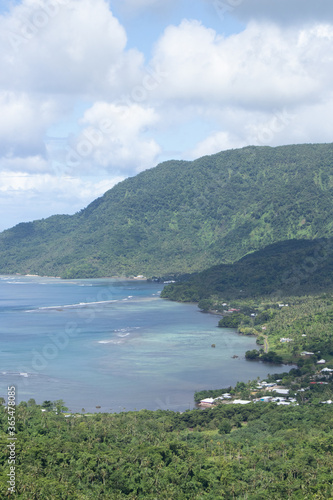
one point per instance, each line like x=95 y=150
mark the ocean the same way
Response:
x=113 y=344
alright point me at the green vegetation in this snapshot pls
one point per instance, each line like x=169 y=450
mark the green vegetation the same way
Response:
x=306 y=383
x=290 y=329
x=293 y=267
x=267 y=357
x=304 y=326
x=184 y=216
x=276 y=294
x=258 y=451
x=233 y=320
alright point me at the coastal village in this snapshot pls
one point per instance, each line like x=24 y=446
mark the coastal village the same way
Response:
x=273 y=392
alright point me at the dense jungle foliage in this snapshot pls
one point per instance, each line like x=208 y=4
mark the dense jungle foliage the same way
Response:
x=294 y=267
x=255 y=452
x=184 y=216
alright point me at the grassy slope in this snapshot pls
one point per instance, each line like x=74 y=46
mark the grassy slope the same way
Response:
x=184 y=216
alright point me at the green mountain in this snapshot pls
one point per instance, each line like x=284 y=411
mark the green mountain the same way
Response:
x=293 y=267
x=184 y=216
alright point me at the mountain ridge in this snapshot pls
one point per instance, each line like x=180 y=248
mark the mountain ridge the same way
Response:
x=184 y=216
x=283 y=269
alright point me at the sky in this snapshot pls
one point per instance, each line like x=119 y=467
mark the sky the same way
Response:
x=95 y=91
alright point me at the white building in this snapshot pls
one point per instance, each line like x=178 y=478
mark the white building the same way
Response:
x=208 y=401
x=281 y=391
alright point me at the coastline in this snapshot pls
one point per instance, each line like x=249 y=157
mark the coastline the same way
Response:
x=224 y=343
x=125 y=278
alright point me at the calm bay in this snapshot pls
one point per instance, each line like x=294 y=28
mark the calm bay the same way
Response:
x=115 y=344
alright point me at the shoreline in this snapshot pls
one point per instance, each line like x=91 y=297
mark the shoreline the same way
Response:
x=212 y=312
x=125 y=278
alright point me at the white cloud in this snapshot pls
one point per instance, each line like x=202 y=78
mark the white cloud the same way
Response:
x=270 y=84
x=303 y=125
x=26 y=197
x=51 y=55
x=70 y=187
x=253 y=87
x=29 y=165
x=260 y=68
x=79 y=49
x=114 y=138
x=219 y=141
x=24 y=121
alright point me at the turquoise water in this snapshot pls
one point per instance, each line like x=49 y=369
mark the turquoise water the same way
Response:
x=114 y=344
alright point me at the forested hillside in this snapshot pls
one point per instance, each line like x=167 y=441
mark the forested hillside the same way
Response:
x=257 y=451
x=294 y=267
x=184 y=216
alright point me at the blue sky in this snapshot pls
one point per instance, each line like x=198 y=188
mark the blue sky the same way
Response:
x=144 y=26
x=94 y=91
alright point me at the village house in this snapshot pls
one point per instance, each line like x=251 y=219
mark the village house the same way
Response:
x=207 y=401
